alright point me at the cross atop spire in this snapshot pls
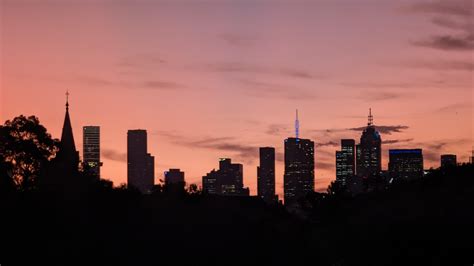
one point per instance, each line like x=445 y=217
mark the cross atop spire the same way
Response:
x=297 y=126
x=371 y=118
x=67 y=99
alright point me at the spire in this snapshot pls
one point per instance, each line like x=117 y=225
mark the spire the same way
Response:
x=371 y=118
x=67 y=100
x=297 y=126
x=67 y=149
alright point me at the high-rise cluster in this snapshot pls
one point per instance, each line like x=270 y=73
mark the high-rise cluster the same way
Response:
x=227 y=180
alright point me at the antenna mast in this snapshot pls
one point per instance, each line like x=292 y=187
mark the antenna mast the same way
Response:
x=297 y=126
x=371 y=118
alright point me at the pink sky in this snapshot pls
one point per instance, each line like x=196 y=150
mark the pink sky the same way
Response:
x=211 y=79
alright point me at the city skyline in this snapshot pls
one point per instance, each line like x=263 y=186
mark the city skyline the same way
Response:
x=223 y=105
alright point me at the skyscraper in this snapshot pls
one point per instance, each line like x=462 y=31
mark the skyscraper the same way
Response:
x=345 y=161
x=266 y=175
x=369 y=152
x=299 y=167
x=227 y=181
x=91 y=150
x=140 y=164
x=448 y=160
x=405 y=164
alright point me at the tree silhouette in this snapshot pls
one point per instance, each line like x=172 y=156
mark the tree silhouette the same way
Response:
x=26 y=148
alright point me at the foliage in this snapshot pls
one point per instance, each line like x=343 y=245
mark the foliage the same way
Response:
x=26 y=147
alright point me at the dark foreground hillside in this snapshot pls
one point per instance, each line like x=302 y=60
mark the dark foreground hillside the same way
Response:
x=427 y=222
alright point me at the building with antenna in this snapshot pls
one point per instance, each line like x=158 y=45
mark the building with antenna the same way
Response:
x=369 y=154
x=298 y=179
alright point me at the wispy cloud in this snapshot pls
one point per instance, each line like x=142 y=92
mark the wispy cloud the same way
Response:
x=277 y=129
x=114 y=155
x=453 y=14
x=266 y=90
x=375 y=96
x=448 y=42
x=246 y=153
x=456 y=107
x=239 y=67
x=452 y=7
x=396 y=141
x=442 y=65
x=162 y=85
x=239 y=40
x=141 y=61
x=384 y=129
x=327 y=144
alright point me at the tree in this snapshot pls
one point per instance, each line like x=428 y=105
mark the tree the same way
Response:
x=26 y=148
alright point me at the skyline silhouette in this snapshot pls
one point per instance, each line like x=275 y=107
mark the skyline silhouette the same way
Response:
x=404 y=164
x=212 y=80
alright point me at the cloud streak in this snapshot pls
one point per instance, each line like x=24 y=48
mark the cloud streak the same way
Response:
x=396 y=141
x=454 y=15
x=448 y=42
x=389 y=130
x=239 y=67
x=114 y=155
x=461 y=8
x=243 y=152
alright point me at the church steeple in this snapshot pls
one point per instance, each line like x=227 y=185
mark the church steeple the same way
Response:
x=67 y=151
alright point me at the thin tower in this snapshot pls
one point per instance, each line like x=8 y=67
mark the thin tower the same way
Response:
x=67 y=99
x=297 y=126
x=371 y=118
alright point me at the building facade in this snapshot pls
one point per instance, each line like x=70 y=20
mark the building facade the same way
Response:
x=405 y=164
x=298 y=179
x=345 y=162
x=266 y=175
x=91 y=150
x=140 y=164
x=448 y=160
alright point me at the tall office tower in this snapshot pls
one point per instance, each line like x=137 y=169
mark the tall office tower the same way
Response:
x=369 y=152
x=448 y=160
x=91 y=150
x=299 y=167
x=405 y=164
x=141 y=165
x=345 y=161
x=266 y=175
x=227 y=181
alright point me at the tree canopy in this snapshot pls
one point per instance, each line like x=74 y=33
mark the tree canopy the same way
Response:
x=25 y=149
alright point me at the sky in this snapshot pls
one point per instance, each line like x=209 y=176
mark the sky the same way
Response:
x=212 y=79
